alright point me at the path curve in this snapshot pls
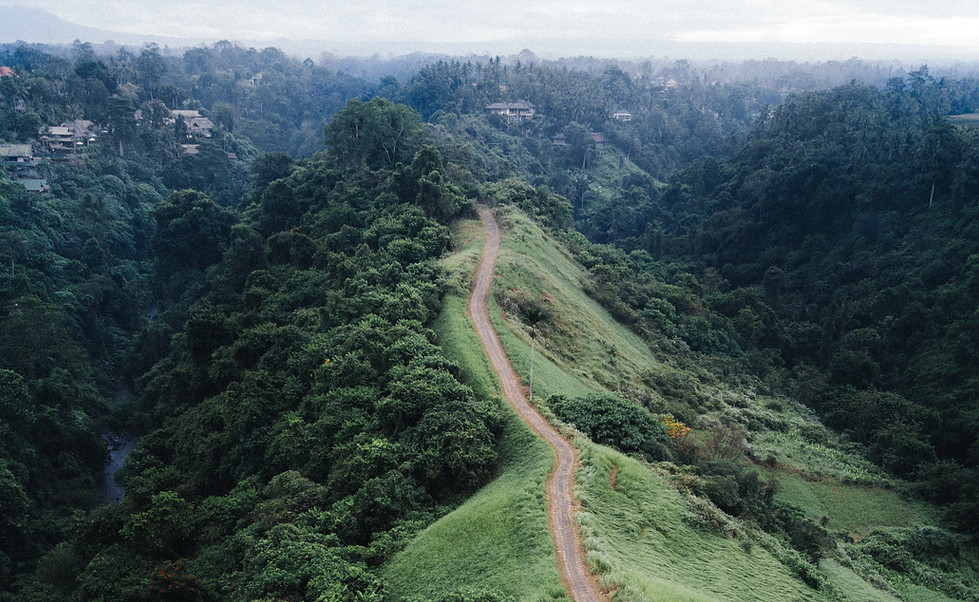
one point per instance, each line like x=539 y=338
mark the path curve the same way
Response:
x=561 y=503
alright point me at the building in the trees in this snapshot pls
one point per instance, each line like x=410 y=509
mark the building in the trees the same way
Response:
x=16 y=157
x=512 y=111
x=19 y=162
x=58 y=139
x=622 y=115
x=198 y=126
x=84 y=130
x=67 y=137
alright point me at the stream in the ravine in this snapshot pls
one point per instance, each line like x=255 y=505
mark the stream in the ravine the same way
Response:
x=119 y=448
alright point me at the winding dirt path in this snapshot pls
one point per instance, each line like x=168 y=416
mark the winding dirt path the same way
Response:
x=561 y=504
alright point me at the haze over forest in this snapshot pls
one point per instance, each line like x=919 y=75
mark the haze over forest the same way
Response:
x=914 y=32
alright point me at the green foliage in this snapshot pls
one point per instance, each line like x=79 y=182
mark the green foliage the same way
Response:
x=312 y=371
x=270 y=167
x=14 y=406
x=164 y=527
x=615 y=421
x=924 y=556
x=375 y=134
x=191 y=233
x=37 y=339
x=292 y=562
x=425 y=183
x=550 y=210
x=113 y=573
x=802 y=532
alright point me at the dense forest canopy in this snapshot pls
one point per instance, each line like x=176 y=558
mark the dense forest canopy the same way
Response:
x=254 y=298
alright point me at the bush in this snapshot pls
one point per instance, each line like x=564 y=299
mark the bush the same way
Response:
x=804 y=535
x=612 y=420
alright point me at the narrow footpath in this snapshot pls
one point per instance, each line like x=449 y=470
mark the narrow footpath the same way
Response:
x=561 y=504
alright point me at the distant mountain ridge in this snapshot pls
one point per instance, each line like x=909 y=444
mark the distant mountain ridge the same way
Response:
x=34 y=25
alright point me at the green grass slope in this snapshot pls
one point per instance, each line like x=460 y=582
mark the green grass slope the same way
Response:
x=648 y=534
x=643 y=533
x=498 y=540
x=581 y=347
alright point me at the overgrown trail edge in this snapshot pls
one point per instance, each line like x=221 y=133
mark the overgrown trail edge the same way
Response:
x=561 y=504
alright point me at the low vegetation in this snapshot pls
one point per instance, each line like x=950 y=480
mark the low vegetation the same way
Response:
x=759 y=488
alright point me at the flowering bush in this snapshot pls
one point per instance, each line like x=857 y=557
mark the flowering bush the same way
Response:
x=172 y=582
x=674 y=428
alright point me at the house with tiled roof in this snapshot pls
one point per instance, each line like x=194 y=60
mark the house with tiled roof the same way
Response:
x=19 y=162
x=58 y=139
x=16 y=156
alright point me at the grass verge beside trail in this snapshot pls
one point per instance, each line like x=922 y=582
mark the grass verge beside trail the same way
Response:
x=644 y=536
x=498 y=541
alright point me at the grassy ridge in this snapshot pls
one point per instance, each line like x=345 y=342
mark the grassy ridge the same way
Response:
x=647 y=534
x=498 y=540
x=582 y=348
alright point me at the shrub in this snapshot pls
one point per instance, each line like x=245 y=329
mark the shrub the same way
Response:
x=611 y=419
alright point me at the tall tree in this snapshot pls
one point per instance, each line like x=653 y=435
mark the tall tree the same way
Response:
x=375 y=134
x=192 y=231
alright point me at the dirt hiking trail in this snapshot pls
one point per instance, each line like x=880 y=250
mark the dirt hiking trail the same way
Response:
x=561 y=503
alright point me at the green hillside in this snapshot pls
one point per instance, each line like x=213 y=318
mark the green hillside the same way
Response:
x=651 y=531
x=751 y=303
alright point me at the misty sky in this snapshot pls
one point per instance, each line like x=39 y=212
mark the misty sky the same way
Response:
x=941 y=22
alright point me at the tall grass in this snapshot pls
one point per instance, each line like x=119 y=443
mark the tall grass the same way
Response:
x=852 y=508
x=644 y=535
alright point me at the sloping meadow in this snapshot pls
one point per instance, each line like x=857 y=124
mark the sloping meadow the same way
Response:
x=664 y=530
